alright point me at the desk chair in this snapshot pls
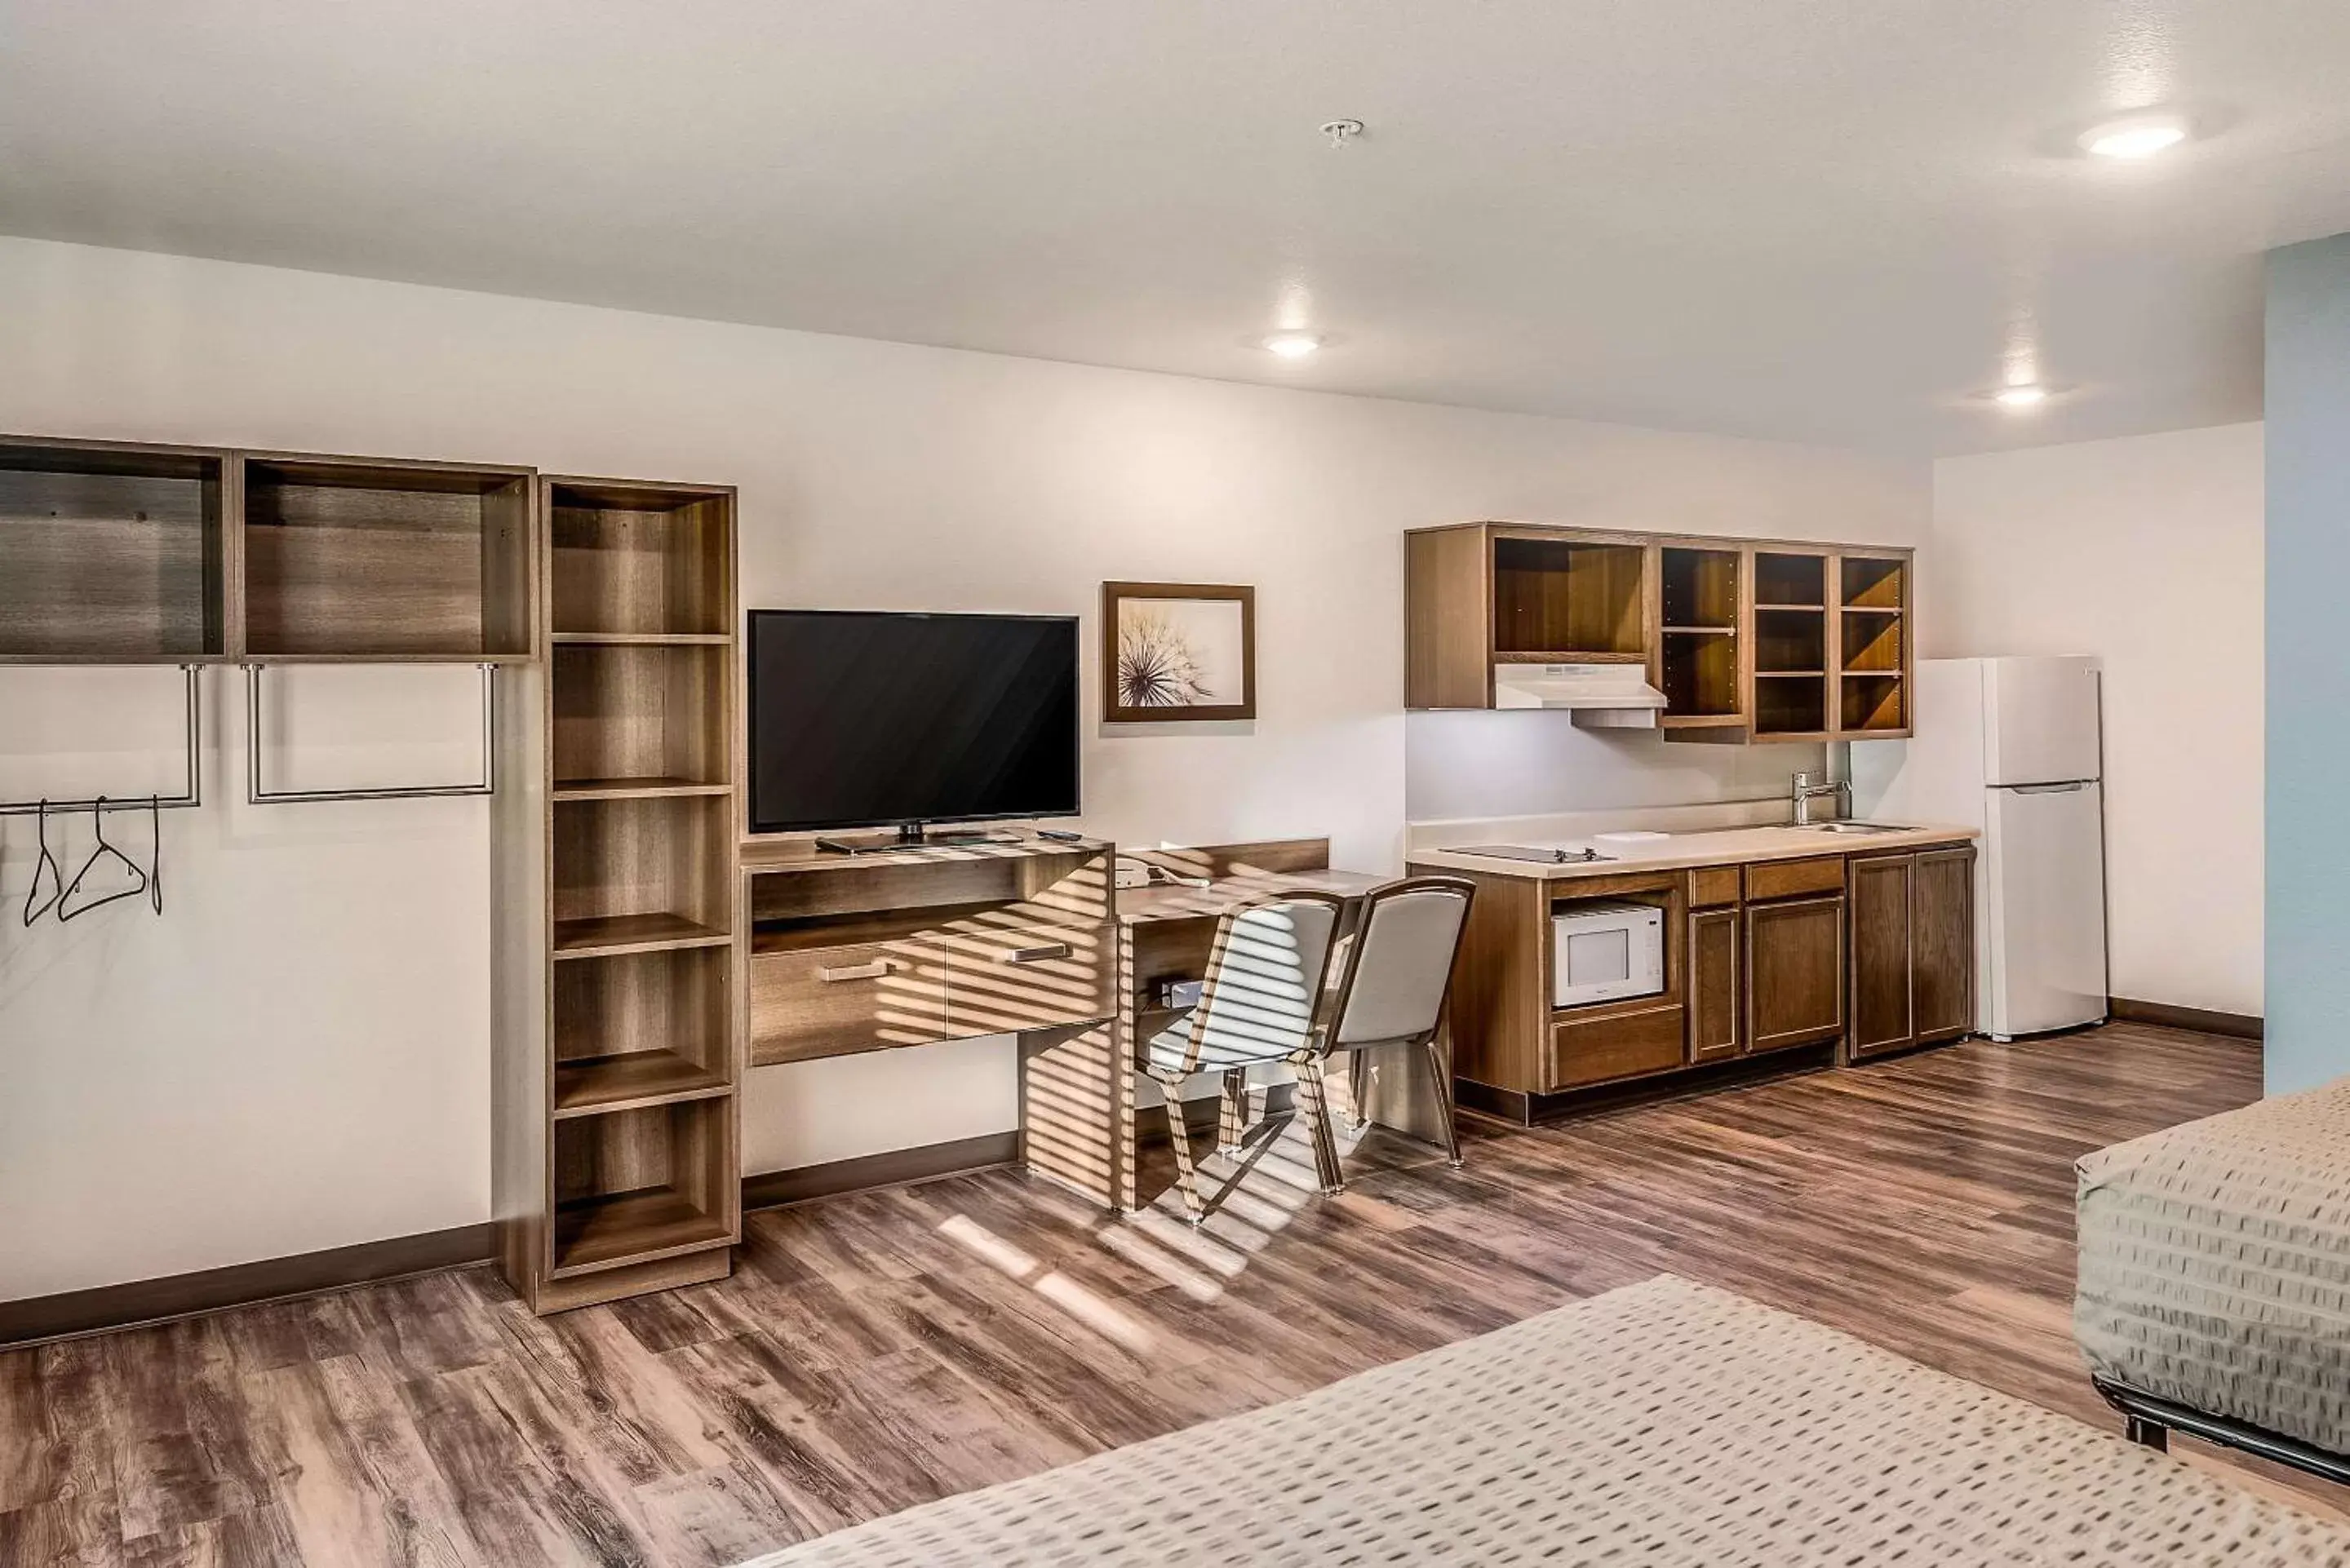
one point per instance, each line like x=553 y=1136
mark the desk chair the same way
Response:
x=1259 y=1006
x=1393 y=985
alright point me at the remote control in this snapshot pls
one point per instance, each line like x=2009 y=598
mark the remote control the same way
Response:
x=1060 y=835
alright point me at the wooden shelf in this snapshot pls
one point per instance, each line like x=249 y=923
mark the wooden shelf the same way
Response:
x=1791 y=674
x=380 y=560
x=595 y=1085
x=1570 y=656
x=1701 y=632
x=642 y=638
x=658 y=786
x=601 y=936
x=649 y=711
x=112 y=554
x=608 y=1230
x=640 y=562
x=1813 y=610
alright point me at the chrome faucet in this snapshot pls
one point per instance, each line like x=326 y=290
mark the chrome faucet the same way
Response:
x=1807 y=790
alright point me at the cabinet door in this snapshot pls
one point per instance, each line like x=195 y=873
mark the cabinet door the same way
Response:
x=1794 y=973
x=1883 y=1016
x=1713 y=994
x=1942 y=943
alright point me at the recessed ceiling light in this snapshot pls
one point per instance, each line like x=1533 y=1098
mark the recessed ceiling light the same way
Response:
x=1292 y=345
x=2136 y=136
x=2023 y=395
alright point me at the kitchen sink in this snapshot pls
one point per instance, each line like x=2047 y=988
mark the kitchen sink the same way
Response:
x=1861 y=827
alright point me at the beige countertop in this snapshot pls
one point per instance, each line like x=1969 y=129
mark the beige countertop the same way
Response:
x=1678 y=851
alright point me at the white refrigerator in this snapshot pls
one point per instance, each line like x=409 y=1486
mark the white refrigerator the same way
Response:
x=2011 y=746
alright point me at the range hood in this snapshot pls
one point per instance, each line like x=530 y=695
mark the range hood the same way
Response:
x=1601 y=696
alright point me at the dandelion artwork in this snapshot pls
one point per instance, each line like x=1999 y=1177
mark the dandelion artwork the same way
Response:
x=1156 y=664
x=1177 y=651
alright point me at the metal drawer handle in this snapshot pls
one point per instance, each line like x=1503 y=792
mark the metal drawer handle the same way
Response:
x=1037 y=954
x=873 y=971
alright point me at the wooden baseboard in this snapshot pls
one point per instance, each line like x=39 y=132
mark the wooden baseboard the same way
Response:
x=109 y=1307
x=893 y=1168
x=1526 y=1110
x=2241 y=1025
x=106 y=1307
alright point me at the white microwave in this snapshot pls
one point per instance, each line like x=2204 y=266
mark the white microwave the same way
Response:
x=1605 y=950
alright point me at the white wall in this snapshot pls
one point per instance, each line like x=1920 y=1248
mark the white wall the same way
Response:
x=295 y=1056
x=2145 y=552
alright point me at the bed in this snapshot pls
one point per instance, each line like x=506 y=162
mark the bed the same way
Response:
x=2214 y=1287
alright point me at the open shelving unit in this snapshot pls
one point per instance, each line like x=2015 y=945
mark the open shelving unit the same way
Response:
x=1699 y=649
x=1557 y=601
x=620 y=1117
x=1792 y=633
x=368 y=559
x=115 y=555
x=1874 y=640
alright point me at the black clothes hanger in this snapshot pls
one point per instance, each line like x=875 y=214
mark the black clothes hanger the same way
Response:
x=47 y=862
x=155 y=851
x=104 y=850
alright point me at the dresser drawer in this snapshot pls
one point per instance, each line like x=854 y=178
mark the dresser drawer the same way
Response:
x=1711 y=887
x=1001 y=980
x=1622 y=1045
x=837 y=1001
x=1794 y=879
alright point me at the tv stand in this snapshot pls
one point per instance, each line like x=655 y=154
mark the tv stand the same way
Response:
x=916 y=836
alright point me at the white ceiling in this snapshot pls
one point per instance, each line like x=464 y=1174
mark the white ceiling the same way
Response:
x=1821 y=219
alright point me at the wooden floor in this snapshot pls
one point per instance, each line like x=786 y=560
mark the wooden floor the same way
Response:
x=875 y=1351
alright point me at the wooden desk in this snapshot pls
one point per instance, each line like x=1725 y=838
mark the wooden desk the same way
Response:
x=1078 y=1113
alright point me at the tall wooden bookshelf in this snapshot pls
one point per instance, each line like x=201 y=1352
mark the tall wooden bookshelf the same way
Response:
x=619 y=1050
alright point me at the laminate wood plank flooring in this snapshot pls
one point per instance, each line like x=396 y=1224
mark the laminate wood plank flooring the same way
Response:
x=880 y=1349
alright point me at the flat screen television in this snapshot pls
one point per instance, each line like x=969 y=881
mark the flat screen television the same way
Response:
x=875 y=719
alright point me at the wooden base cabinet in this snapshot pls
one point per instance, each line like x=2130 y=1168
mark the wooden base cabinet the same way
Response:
x=1912 y=968
x=1717 y=963
x=1794 y=973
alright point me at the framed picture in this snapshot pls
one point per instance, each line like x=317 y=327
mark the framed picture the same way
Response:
x=1175 y=652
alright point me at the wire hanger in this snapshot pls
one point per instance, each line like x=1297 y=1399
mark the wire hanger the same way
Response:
x=47 y=862
x=104 y=850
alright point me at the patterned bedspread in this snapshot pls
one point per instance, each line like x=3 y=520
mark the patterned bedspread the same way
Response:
x=2214 y=1265
x=1662 y=1424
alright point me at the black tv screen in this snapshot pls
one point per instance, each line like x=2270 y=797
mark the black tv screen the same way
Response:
x=868 y=719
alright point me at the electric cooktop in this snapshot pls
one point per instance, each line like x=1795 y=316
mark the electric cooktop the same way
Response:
x=1546 y=857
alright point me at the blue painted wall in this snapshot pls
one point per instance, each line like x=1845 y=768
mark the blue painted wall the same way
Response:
x=2308 y=702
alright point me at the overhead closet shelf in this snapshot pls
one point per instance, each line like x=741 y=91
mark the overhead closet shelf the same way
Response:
x=601 y=1084
x=376 y=561
x=394 y=658
x=602 y=936
x=113 y=555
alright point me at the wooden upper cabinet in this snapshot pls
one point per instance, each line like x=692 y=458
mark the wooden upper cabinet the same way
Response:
x=1749 y=640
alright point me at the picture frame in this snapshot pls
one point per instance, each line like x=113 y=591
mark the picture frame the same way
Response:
x=1178 y=652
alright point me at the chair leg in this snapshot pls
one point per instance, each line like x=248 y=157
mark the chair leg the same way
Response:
x=1358 y=1090
x=1187 y=1174
x=1439 y=1080
x=1233 y=1125
x=1317 y=1095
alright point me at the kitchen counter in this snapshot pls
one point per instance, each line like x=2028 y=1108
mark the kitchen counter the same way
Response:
x=1681 y=850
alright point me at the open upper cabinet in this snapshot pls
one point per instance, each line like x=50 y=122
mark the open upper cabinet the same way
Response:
x=370 y=559
x=113 y=554
x=1746 y=640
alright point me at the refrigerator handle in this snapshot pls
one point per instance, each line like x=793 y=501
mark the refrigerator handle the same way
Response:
x=2073 y=787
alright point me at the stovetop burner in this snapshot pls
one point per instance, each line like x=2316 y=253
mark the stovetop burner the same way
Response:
x=1544 y=856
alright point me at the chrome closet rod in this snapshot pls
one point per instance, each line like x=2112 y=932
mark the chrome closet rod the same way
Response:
x=259 y=794
x=193 y=794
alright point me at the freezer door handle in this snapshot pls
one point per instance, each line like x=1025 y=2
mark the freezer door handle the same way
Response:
x=2072 y=788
